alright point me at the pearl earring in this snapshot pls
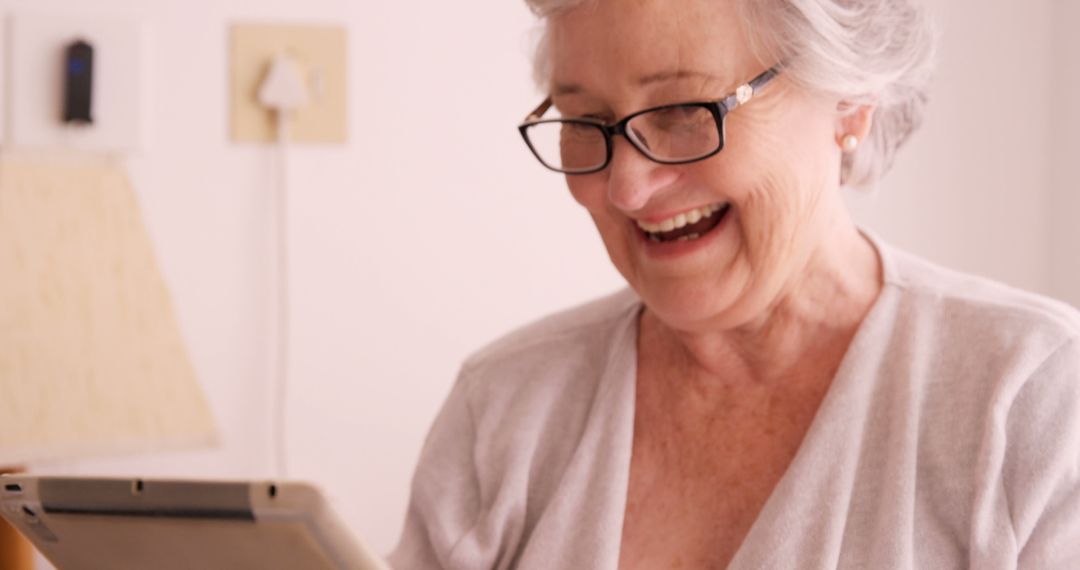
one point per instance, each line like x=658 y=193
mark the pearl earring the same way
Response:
x=849 y=143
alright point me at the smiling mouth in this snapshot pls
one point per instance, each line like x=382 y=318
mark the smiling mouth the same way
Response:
x=687 y=226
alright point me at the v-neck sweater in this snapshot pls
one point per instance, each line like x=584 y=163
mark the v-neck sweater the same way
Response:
x=949 y=438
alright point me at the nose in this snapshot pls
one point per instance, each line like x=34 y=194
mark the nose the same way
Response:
x=633 y=179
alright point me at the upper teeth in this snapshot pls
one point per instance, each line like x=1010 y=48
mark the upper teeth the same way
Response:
x=675 y=222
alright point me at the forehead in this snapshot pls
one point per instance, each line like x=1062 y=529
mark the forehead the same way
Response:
x=611 y=44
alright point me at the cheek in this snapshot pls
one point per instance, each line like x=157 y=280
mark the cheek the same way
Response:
x=787 y=141
x=588 y=190
x=771 y=215
x=780 y=172
x=591 y=192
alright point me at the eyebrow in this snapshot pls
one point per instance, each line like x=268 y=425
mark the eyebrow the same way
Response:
x=645 y=80
x=674 y=75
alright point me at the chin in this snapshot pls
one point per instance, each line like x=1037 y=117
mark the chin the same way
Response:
x=690 y=305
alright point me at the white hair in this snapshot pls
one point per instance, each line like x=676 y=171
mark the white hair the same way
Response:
x=878 y=52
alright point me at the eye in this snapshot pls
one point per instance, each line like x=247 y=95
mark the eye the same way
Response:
x=575 y=109
x=590 y=112
x=677 y=116
x=581 y=132
x=603 y=118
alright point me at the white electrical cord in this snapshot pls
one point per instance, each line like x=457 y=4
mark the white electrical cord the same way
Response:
x=283 y=90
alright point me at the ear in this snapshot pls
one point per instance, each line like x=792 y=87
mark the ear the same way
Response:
x=855 y=120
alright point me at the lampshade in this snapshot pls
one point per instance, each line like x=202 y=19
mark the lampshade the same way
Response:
x=91 y=358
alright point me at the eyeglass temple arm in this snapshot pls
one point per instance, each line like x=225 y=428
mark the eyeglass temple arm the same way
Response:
x=741 y=96
x=539 y=111
x=745 y=92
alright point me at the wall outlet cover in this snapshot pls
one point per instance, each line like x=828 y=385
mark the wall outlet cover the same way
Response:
x=35 y=81
x=320 y=53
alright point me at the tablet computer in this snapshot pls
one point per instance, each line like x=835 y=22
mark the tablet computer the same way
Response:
x=81 y=523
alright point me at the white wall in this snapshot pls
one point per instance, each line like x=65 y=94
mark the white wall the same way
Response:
x=1065 y=141
x=409 y=252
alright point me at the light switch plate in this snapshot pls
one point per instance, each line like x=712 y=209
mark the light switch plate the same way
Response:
x=36 y=42
x=319 y=52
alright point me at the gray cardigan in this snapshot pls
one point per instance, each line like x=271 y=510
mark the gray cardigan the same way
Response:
x=949 y=438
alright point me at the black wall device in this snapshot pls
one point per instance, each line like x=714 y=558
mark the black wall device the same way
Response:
x=78 y=82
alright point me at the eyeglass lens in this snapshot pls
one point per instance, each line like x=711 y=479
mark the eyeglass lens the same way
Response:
x=670 y=134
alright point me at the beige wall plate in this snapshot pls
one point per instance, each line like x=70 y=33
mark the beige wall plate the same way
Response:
x=319 y=51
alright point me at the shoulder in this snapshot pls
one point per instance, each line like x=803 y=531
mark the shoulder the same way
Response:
x=558 y=335
x=550 y=367
x=996 y=376
x=509 y=430
x=957 y=310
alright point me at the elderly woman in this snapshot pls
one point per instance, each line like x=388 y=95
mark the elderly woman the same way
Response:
x=776 y=389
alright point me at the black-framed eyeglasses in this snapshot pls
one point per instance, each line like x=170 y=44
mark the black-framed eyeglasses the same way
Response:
x=669 y=134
